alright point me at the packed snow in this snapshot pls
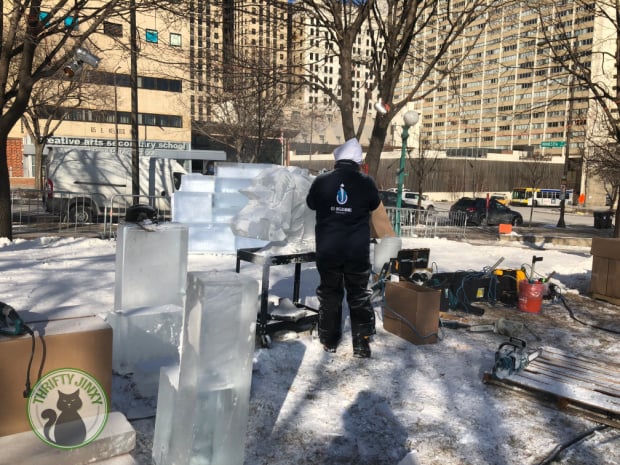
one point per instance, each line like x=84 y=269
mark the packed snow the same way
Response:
x=407 y=404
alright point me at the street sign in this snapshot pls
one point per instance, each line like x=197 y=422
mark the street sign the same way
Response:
x=552 y=143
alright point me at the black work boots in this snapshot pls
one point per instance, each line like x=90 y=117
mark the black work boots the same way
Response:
x=361 y=346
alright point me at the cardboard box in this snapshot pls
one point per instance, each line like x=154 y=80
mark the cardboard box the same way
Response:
x=81 y=343
x=605 y=280
x=411 y=312
x=380 y=225
x=598 y=280
x=607 y=247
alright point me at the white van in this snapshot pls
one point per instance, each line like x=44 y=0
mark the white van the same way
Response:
x=82 y=183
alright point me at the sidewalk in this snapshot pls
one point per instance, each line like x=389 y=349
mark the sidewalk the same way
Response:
x=539 y=235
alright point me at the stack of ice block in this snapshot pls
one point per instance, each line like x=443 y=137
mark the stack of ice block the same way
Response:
x=207 y=204
x=150 y=286
x=203 y=404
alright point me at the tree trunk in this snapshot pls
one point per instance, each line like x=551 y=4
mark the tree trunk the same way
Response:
x=6 y=222
x=377 y=141
x=617 y=222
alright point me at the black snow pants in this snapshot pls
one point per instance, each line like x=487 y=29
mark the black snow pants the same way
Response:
x=334 y=280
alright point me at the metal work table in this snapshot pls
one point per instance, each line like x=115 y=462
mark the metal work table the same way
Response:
x=267 y=323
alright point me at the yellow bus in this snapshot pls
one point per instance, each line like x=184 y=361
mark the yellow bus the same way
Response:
x=526 y=196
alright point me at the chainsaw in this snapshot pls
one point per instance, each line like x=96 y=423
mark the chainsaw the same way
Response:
x=512 y=357
x=10 y=322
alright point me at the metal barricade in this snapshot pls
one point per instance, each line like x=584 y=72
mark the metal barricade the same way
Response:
x=429 y=223
x=34 y=213
x=116 y=209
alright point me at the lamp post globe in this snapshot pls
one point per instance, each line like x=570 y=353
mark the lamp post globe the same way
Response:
x=410 y=118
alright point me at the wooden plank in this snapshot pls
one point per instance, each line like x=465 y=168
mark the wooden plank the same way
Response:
x=579 y=369
x=559 y=403
x=604 y=366
x=607 y=387
x=568 y=391
x=606 y=298
x=581 y=383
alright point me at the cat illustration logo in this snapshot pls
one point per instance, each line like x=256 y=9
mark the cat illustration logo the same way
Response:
x=67 y=408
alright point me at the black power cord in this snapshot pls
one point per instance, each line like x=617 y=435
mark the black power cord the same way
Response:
x=556 y=294
x=555 y=452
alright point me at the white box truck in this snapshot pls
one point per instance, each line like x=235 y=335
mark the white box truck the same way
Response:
x=80 y=184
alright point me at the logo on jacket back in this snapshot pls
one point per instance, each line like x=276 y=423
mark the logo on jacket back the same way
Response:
x=341 y=196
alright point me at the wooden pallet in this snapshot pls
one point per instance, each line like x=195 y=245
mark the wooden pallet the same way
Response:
x=606 y=298
x=577 y=384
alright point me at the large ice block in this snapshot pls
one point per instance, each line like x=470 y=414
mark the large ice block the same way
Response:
x=168 y=387
x=229 y=200
x=151 y=266
x=192 y=207
x=212 y=401
x=240 y=170
x=231 y=184
x=195 y=182
x=210 y=237
x=144 y=340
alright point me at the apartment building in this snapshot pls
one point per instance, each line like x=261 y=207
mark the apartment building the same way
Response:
x=238 y=52
x=509 y=95
x=312 y=55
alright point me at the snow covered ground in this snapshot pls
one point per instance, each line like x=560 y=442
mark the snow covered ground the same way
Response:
x=418 y=401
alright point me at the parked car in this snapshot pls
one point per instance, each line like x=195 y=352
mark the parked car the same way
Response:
x=389 y=200
x=477 y=213
x=412 y=198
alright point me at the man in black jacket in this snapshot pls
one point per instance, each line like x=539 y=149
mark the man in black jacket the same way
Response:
x=343 y=200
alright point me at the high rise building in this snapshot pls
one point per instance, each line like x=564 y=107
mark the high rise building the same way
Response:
x=508 y=93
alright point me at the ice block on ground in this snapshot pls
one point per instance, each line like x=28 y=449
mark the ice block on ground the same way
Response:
x=151 y=266
x=211 y=405
x=168 y=387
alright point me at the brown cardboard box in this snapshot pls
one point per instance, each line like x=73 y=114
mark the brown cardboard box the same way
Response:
x=598 y=280
x=411 y=311
x=613 y=279
x=608 y=247
x=81 y=343
x=380 y=225
x=605 y=280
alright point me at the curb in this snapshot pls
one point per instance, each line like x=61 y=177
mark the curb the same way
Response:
x=542 y=240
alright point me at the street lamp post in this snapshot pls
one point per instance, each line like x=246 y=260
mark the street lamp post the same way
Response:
x=409 y=119
x=571 y=90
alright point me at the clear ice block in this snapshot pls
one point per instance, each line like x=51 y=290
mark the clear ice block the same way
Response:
x=211 y=404
x=151 y=266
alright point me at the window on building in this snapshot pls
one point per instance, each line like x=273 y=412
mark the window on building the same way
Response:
x=112 y=29
x=175 y=39
x=71 y=22
x=152 y=36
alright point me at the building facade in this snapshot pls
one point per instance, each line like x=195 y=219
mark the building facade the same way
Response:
x=509 y=93
x=103 y=120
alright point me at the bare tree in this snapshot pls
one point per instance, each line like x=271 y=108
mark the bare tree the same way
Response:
x=393 y=26
x=534 y=171
x=423 y=164
x=50 y=104
x=38 y=40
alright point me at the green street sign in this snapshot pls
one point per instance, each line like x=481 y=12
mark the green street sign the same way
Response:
x=552 y=143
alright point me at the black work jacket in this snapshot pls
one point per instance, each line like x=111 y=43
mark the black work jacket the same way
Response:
x=343 y=200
